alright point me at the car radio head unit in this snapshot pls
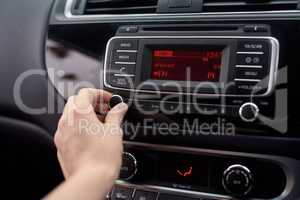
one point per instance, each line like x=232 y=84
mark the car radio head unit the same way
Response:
x=197 y=65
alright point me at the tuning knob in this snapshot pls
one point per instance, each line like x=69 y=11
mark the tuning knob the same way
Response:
x=129 y=166
x=248 y=112
x=237 y=180
x=115 y=100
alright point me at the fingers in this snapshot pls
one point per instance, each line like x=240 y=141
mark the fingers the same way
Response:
x=101 y=118
x=116 y=114
x=86 y=101
x=91 y=97
x=102 y=109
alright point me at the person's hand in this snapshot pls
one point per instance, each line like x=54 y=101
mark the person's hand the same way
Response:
x=87 y=141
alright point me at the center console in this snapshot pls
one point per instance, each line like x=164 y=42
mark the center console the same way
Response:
x=187 y=76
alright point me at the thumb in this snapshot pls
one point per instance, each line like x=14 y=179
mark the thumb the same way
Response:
x=117 y=114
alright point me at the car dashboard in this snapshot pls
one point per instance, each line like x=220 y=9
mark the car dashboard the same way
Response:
x=211 y=87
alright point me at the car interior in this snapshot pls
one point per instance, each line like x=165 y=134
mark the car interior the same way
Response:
x=210 y=84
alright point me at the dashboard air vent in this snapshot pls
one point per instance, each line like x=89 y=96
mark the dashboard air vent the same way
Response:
x=248 y=5
x=120 y=6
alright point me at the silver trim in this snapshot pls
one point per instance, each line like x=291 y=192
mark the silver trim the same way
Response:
x=249 y=52
x=273 y=64
x=126 y=51
x=247 y=80
x=69 y=4
x=238 y=166
x=124 y=75
x=256 y=110
x=125 y=63
x=249 y=66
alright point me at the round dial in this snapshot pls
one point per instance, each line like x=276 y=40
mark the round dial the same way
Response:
x=248 y=112
x=115 y=100
x=237 y=180
x=129 y=166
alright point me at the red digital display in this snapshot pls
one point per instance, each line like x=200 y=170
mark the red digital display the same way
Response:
x=186 y=64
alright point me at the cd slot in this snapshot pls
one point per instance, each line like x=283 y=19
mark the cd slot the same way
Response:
x=207 y=28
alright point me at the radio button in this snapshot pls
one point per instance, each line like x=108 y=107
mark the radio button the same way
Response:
x=128 y=29
x=256 y=28
x=253 y=46
x=126 y=45
x=249 y=87
x=122 y=193
x=122 y=69
x=124 y=56
x=121 y=80
x=258 y=59
x=249 y=73
x=145 y=195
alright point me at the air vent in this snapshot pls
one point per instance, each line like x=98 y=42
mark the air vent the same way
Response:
x=248 y=5
x=120 y=7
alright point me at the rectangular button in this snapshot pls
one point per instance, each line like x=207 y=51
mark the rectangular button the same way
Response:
x=124 y=57
x=258 y=60
x=128 y=29
x=121 y=193
x=249 y=87
x=253 y=46
x=121 y=80
x=122 y=69
x=256 y=29
x=144 y=195
x=249 y=73
x=128 y=44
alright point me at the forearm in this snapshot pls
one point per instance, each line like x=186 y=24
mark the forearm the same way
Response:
x=92 y=184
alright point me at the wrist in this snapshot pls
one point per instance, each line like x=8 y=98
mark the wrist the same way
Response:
x=102 y=173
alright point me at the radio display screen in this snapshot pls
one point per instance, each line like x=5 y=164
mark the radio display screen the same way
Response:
x=187 y=64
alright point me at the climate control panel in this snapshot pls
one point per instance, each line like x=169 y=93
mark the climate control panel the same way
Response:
x=160 y=172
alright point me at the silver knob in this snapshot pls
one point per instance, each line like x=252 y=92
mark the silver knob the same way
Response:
x=129 y=166
x=248 y=112
x=237 y=180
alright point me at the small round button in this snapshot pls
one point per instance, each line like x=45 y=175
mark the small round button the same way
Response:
x=129 y=166
x=115 y=100
x=237 y=180
x=248 y=112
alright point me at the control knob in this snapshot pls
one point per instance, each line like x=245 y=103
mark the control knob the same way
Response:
x=248 y=112
x=115 y=100
x=237 y=180
x=129 y=166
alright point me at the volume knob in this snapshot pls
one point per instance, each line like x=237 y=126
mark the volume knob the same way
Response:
x=248 y=112
x=129 y=166
x=115 y=100
x=237 y=180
